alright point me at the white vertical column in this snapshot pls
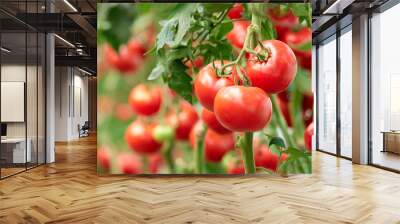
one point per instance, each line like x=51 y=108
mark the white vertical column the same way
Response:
x=360 y=90
x=314 y=90
x=50 y=93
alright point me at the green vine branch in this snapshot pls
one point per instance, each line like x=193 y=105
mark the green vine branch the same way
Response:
x=280 y=120
x=199 y=154
x=168 y=156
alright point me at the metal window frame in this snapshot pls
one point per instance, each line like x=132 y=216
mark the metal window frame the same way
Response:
x=339 y=32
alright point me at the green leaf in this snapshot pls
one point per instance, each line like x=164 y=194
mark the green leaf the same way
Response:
x=175 y=29
x=295 y=109
x=275 y=150
x=297 y=152
x=305 y=47
x=267 y=30
x=157 y=72
x=179 y=53
x=216 y=7
x=277 y=141
x=167 y=33
x=298 y=161
x=261 y=169
x=184 y=19
x=179 y=81
x=216 y=50
x=302 y=81
x=223 y=29
x=215 y=168
x=115 y=28
x=300 y=9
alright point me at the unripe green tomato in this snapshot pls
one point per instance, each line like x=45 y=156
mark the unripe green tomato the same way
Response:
x=163 y=132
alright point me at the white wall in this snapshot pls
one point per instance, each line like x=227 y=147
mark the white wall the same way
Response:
x=16 y=73
x=71 y=87
x=33 y=127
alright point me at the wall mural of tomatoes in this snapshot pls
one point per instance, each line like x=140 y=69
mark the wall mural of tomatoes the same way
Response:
x=202 y=88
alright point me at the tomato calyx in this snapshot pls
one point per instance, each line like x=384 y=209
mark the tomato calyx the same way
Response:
x=263 y=54
x=223 y=72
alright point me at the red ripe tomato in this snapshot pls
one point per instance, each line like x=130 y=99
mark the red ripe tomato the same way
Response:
x=211 y=120
x=198 y=127
x=136 y=47
x=184 y=121
x=139 y=137
x=106 y=104
x=306 y=62
x=171 y=93
x=242 y=109
x=103 y=158
x=308 y=136
x=284 y=96
x=145 y=101
x=155 y=162
x=307 y=108
x=111 y=56
x=277 y=71
x=297 y=38
x=236 y=11
x=216 y=145
x=237 y=35
x=127 y=62
x=198 y=62
x=128 y=163
x=285 y=109
x=264 y=157
x=239 y=169
x=283 y=21
x=123 y=112
x=208 y=83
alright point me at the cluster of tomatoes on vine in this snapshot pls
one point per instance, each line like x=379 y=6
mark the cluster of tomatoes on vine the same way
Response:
x=228 y=106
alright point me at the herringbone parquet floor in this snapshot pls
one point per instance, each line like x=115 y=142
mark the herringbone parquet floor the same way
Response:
x=69 y=191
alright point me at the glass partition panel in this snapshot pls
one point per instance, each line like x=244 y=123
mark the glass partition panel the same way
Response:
x=14 y=153
x=23 y=89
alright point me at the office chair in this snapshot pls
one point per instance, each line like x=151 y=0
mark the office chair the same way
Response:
x=84 y=130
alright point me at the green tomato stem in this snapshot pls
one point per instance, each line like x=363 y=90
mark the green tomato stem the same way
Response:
x=295 y=106
x=145 y=164
x=167 y=153
x=253 y=35
x=281 y=121
x=199 y=154
x=256 y=25
x=247 y=153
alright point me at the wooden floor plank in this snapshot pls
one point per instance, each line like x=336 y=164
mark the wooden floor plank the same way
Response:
x=69 y=191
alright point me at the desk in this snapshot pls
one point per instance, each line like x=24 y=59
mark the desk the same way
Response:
x=16 y=148
x=391 y=141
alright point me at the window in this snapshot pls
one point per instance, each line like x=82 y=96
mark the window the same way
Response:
x=327 y=95
x=346 y=95
x=385 y=89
